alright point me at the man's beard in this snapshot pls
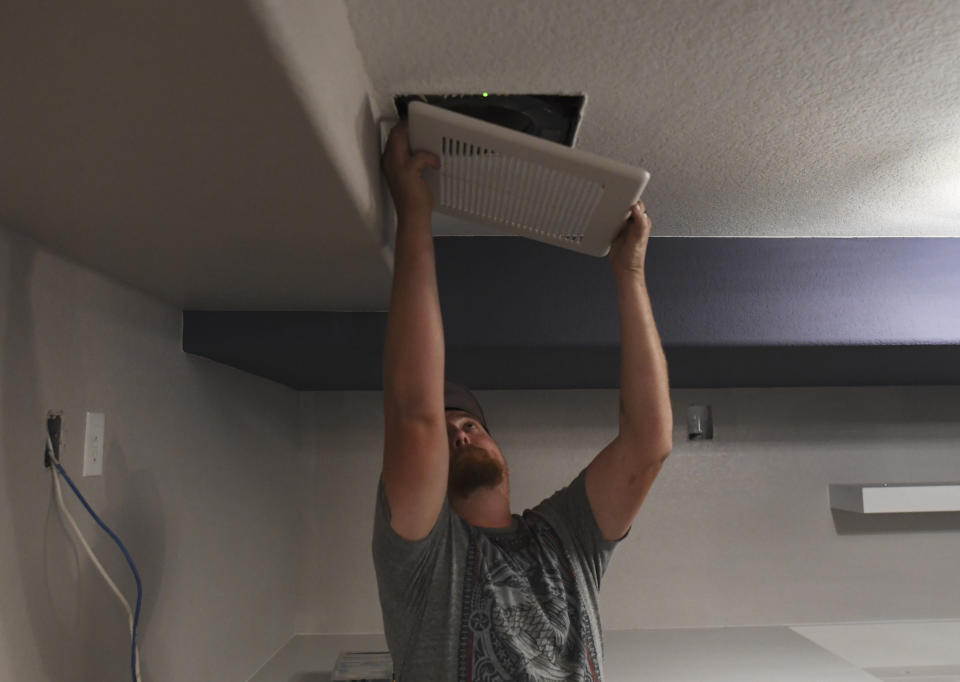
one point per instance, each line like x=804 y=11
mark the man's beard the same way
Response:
x=471 y=469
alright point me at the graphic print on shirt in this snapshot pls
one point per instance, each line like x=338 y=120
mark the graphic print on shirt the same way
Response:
x=523 y=618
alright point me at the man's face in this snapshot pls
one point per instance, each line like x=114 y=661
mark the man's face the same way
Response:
x=475 y=459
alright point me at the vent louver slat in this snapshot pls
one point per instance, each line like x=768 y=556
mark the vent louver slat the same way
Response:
x=511 y=191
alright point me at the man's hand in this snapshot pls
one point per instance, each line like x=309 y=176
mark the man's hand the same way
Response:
x=629 y=250
x=410 y=191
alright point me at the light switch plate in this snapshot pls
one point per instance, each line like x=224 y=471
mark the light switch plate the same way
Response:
x=93 y=445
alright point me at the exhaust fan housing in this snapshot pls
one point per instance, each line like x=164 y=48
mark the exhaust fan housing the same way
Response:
x=522 y=184
x=551 y=117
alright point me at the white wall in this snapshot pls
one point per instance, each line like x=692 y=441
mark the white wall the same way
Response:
x=737 y=531
x=197 y=481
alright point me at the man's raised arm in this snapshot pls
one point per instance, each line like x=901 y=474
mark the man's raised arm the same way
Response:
x=619 y=478
x=416 y=455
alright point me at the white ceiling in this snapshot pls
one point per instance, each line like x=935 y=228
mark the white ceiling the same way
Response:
x=224 y=155
x=784 y=118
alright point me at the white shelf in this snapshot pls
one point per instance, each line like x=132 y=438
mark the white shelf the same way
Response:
x=895 y=498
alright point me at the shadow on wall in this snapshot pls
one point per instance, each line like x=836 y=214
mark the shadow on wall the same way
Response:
x=65 y=621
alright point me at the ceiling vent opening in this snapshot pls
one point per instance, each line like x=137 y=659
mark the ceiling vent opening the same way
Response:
x=521 y=184
x=550 y=117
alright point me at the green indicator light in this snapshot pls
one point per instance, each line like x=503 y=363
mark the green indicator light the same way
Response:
x=485 y=94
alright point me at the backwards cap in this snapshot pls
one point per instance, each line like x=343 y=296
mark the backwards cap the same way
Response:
x=457 y=397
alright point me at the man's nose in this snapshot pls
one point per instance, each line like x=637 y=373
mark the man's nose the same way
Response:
x=461 y=439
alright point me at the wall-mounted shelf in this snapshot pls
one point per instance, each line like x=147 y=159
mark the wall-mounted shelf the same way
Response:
x=724 y=337
x=895 y=498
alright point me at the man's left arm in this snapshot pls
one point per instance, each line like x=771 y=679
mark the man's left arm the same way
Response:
x=620 y=476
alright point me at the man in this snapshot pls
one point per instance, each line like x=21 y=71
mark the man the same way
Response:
x=468 y=590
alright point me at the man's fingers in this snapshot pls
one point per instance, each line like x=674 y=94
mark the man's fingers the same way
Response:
x=421 y=159
x=398 y=144
x=640 y=215
x=401 y=130
x=398 y=148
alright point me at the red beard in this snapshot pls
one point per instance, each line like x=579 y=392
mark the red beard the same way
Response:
x=473 y=468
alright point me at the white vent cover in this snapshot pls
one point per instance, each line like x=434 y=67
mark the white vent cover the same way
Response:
x=524 y=184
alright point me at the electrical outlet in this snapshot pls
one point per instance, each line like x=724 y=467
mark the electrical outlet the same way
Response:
x=93 y=445
x=55 y=431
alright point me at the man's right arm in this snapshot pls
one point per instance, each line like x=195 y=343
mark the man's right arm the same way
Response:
x=415 y=456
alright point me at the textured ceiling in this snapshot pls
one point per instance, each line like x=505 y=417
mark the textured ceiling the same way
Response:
x=224 y=155
x=784 y=118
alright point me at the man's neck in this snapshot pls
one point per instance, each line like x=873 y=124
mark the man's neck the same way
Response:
x=486 y=508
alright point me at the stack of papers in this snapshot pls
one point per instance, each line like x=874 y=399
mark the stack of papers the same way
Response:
x=373 y=666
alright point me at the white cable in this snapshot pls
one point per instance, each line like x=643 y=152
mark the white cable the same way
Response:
x=93 y=557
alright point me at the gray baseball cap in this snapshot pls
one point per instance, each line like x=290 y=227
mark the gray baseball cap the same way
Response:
x=457 y=397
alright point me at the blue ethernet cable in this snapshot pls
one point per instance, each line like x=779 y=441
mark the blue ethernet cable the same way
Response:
x=136 y=575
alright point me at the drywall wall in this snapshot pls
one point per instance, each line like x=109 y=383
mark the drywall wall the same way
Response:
x=737 y=531
x=196 y=481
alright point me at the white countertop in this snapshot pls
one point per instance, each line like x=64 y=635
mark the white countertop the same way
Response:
x=925 y=651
